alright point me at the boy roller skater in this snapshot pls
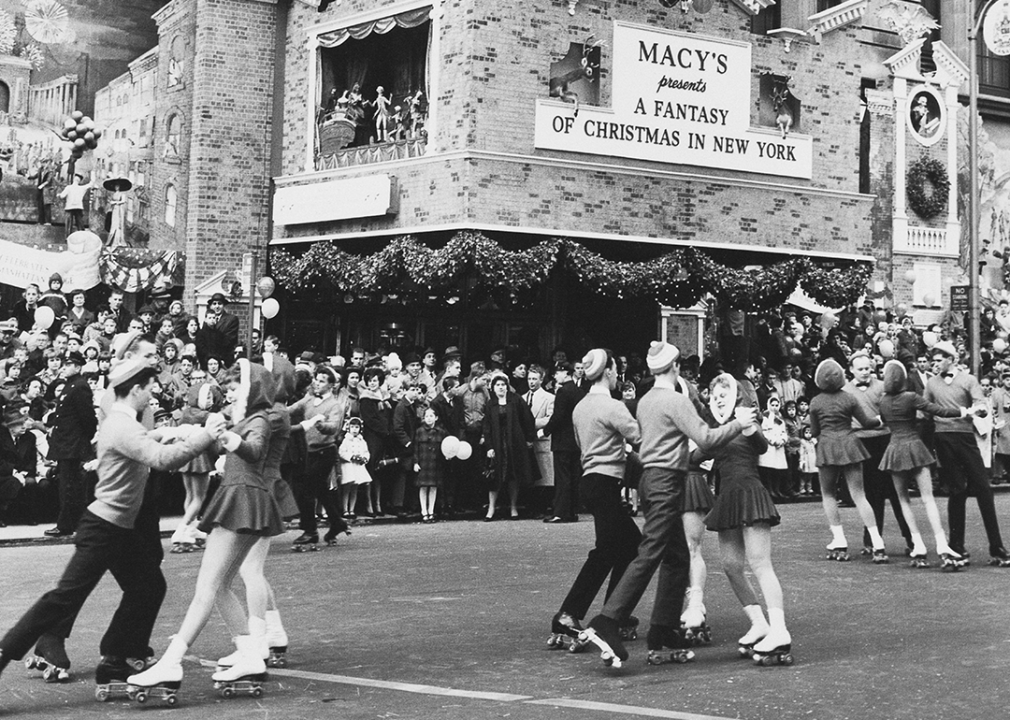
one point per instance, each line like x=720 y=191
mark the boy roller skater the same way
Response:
x=603 y=426
x=109 y=533
x=667 y=419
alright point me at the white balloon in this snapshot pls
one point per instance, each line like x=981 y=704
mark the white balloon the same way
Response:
x=929 y=338
x=270 y=308
x=886 y=348
x=450 y=446
x=44 y=316
x=465 y=450
x=999 y=345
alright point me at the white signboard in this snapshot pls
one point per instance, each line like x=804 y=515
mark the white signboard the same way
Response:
x=21 y=266
x=677 y=98
x=359 y=197
x=996 y=28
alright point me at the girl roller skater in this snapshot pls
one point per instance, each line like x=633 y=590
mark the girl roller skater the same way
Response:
x=840 y=454
x=908 y=460
x=201 y=401
x=266 y=633
x=743 y=515
x=242 y=511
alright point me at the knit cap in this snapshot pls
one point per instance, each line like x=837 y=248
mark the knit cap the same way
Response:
x=829 y=376
x=662 y=355
x=894 y=377
x=594 y=363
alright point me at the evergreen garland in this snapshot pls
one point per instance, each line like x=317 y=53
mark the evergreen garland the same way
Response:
x=677 y=279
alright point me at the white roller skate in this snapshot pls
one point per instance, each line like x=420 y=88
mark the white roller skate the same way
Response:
x=161 y=680
x=838 y=551
x=774 y=649
x=277 y=640
x=693 y=620
x=758 y=630
x=950 y=561
x=182 y=540
x=246 y=675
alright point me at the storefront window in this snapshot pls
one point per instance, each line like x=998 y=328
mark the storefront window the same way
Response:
x=373 y=84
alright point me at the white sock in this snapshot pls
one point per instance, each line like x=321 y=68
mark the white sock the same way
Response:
x=875 y=539
x=175 y=652
x=756 y=615
x=918 y=546
x=273 y=621
x=257 y=626
x=777 y=618
x=837 y=537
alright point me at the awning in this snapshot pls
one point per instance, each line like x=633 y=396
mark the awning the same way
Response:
x=409 y=19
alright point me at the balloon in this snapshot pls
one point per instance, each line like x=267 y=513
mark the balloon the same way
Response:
x=910 y=276
x=465 y=450
x=929 y=300
x=77 y=115
x=44 y=316
x=450 y=447
x=886 y=348
x=266 y=286
x=828 y=320
x=929 y=338
x=901 y=309
x=270 y=308
x=89 y=136
x=69 y=124
x=85 y=119
x=880 y=316
x=1003 y=334
x=72 y=135
x=79 y=143
x=999 y=346
x=98 y=133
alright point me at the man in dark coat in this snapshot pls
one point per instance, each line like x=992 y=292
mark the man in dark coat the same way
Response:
x=405 y=423
x=74 y=425
x=226 y=323
x=567 y=463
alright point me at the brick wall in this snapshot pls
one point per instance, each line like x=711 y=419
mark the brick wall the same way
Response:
x=495 y=61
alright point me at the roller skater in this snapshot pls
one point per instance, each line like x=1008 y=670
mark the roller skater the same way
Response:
x=241 y=512
x=117 y=534
x=668 y=419
x=776 y=647
x=698 y=501
x=960 y=460
x=743 y=515
x=668 y=645
x=603 y=426
x=306 y=543
x=50 y=658
x=243 y=671
x=840 y=454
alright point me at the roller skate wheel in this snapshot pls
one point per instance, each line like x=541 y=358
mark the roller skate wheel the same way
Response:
x=257 y=692
x=554 y=642
x=786 y=660
x=101 y=695
x=278 y=662
x=141 y=697
x=171 y=700
x=137 y=664
x=227 y=692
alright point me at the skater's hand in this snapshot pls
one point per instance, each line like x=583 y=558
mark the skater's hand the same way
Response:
x=216 y=425
x=745 y=415
x=417 y=467
x=230 y=441
x=90 y=465
x=981 y=411
x=490 y=454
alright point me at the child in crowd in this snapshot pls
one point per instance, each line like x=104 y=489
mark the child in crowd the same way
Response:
x=428 y=462
x=354 y=456
x=772 y=464
x=808 y=461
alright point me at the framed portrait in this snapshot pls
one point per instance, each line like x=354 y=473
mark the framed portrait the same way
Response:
x=927 y=115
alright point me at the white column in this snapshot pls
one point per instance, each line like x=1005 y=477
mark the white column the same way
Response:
x=899 y=225
x=953 y=226
x=435 y=72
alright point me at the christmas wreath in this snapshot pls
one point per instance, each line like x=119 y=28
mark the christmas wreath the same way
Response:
x=926 y=204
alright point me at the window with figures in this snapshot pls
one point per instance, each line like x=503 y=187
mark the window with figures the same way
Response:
x=171 y=199
x=374 y=84
x=173 y=135
x=778 y=108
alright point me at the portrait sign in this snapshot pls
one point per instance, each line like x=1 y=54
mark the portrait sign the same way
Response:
x=996 y=28
x=677 y=98
x=927 y=114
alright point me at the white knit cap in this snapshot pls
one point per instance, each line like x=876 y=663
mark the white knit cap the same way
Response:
x=594 y=363
x=661 y=356
x=946 y=347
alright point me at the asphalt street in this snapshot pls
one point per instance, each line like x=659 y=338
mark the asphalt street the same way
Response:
x=451 y=621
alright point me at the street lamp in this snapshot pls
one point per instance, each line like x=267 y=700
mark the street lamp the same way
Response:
x=997 y=39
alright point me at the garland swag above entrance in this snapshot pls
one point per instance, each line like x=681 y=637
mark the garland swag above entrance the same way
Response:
x=678 y=279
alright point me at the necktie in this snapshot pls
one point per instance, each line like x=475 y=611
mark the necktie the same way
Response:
x=529 y=398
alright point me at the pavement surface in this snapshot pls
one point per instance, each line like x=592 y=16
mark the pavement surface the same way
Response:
x=451 y=621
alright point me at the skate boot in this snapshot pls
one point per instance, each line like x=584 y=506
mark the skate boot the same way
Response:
x=918 y=560
x=338 y=526
x=565 y=631
x=277 y=640
x=182 y=541
x=51 y=659
x=161 y=680
x=774 y=649
x=306 y=542
x=693 y=624
x=247 y=675
x=950 y=561
x=965 y=556
x=110 y=678
x=667 y=644
x=605 y=633
x=839 y=552
x=999 y=557
x=629 y=629
x=880 y=556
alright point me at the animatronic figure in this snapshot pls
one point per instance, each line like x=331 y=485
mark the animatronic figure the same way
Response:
x=381 y=116
x=588 y=68
x=783 y=116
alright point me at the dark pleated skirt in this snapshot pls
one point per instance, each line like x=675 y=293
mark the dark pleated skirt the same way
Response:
x=698 y=495
x=245 y=509
x=741 y=506
x=907 y=454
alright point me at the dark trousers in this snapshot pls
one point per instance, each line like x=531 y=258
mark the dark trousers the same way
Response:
x=100 y=547
x=73 y=221
x=663 y=546
x=879 y=487
x=471 y=473
x=965 y=473
x=73 y=494
x=617 y=539
x=567 y=470
x=312 y=485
